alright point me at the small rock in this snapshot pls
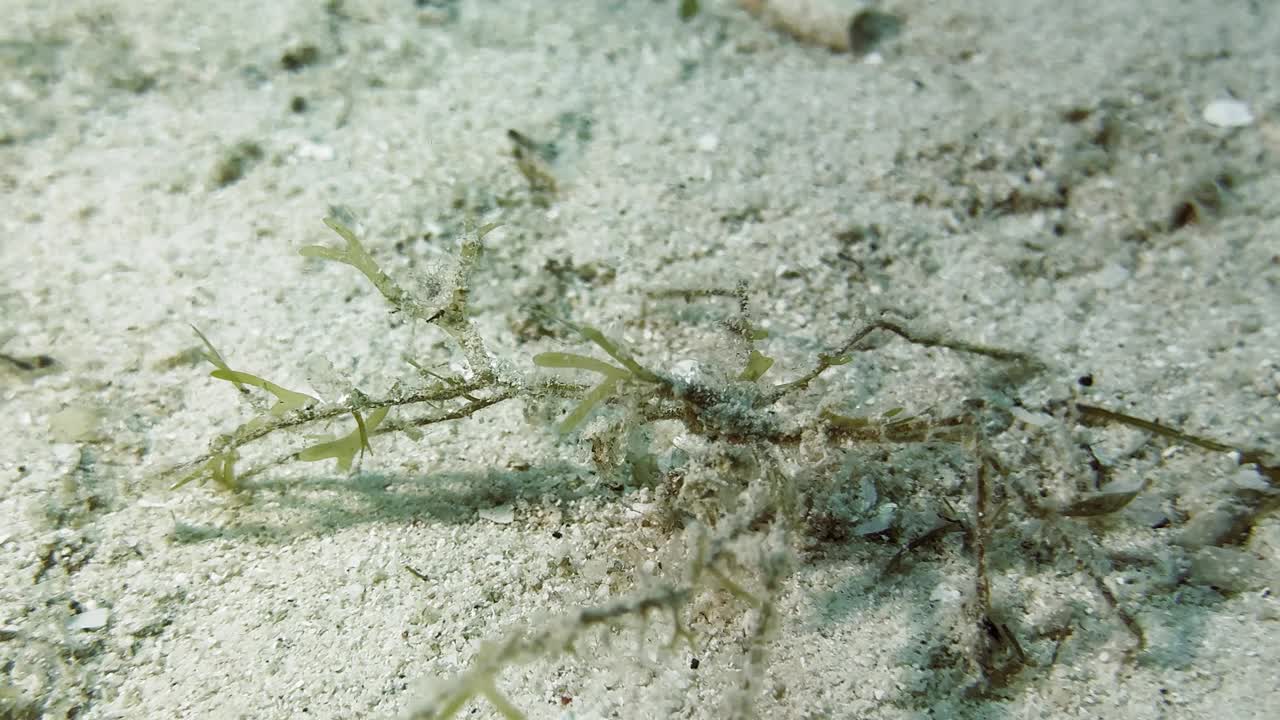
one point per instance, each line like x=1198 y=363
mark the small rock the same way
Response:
x=1222 y=524
x=503 y=514
x=90 y=619
x=1227 y=569
x=1248 y=478
x=1228 y=113
x=77 y=423
x=315 y=151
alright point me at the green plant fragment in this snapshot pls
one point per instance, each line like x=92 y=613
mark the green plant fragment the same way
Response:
x=345 y=448
x=213 y=356
x=844 y=421
x=579 y=362
x=757 y=365
x=616 y=353
x=359 y=258
x=501 y=703
x=355 y=256
x=289 y=400
x=613 y=374
x=597 y=395
x=220 y=468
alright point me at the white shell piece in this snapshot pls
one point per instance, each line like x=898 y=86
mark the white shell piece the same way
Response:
x=1228 y=113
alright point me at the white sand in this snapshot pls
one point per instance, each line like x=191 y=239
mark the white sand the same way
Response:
x=1014 y=166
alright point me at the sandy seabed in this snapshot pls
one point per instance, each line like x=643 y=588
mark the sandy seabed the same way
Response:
x=1034 y=175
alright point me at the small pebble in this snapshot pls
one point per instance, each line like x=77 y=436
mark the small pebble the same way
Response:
x=502 y=515
x=1217 y=525
x=1228 y=113
x=1227 y=569
x=89 y=619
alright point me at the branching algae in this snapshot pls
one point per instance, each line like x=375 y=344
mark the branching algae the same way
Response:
x=740 y=493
